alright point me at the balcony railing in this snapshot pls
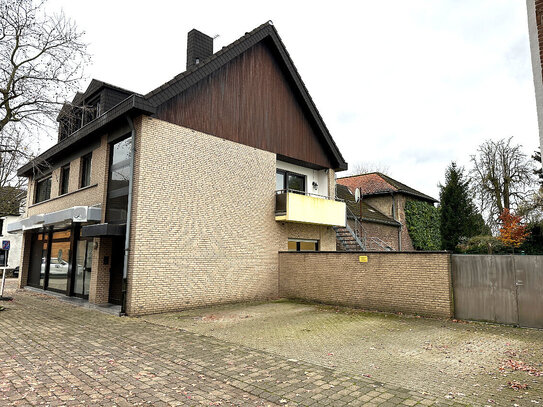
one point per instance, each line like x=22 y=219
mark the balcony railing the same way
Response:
x=305 y=207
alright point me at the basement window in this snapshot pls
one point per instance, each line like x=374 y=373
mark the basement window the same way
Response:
x=303 y=245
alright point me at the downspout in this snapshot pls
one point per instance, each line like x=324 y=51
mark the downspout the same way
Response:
x=394 y=213
x=128 y=215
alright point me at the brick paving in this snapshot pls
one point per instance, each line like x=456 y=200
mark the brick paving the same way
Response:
x=54 y=353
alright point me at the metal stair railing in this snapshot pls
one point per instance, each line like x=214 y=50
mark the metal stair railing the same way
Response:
x=358 y=231
x=380 y=242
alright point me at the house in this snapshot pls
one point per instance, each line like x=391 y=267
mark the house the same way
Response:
x=367 y=228
x=184 y=196
x=10 y=257
x=535 y=31
x=387 y=197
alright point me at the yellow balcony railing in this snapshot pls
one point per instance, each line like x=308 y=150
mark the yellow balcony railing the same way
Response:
x=299 y=207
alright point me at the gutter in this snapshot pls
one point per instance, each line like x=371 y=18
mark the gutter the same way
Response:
x=128 y=216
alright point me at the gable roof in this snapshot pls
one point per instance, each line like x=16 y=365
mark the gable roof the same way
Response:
x=376 y=183
x=363 y=210
x=206 y=67
x=183 y=81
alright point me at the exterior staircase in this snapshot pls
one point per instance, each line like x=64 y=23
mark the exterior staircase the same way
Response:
x=346 y=241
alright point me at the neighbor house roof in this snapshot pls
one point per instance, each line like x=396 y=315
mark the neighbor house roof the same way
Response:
x=183 y=81
x=376 y=183
x=363 y=210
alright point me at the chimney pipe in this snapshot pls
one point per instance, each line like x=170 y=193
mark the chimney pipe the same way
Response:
x=199 y=47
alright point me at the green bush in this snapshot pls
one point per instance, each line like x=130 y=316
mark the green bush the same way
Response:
x=482 y=244
x=423 y=222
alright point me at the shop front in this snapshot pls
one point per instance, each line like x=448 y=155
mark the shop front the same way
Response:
x=61 y=261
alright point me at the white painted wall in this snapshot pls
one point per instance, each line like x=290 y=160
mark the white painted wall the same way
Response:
x=318 y=176
x=15 y=240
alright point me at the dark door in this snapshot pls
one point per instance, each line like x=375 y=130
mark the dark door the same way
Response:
x=38 y=256
x=116 y=271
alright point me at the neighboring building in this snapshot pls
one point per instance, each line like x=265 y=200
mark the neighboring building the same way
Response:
x=535 y=29
x=367 y=228
x=183 y=197
x=15 y=240
x=388 y=197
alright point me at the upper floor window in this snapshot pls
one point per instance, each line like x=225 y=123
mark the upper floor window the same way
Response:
x=119 y=181
x=64 y=179
x=1 y=227
x=43 y=190
x=85 y=170
x=289 y=180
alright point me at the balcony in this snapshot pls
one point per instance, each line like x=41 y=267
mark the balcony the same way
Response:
x=298 y=207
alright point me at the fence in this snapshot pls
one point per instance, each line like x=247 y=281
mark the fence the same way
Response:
x=506 y=289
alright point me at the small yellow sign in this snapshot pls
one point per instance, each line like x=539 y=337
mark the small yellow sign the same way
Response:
x=363 y=259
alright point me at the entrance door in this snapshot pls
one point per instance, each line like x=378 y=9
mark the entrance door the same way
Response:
x=116 y=272
x=83 y=267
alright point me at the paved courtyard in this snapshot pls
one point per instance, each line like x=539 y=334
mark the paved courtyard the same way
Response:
x=54 y=353
x=472 y=363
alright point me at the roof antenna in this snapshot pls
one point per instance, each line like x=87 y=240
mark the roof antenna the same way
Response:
x=216 y=36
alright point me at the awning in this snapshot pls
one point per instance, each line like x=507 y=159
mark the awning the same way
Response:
x=78 y=214
x=103 y=229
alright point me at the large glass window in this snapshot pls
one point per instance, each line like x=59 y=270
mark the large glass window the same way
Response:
x=43 y=190
x=289 y=180
x=119 y=181
x=64 y=179
x=86 y=170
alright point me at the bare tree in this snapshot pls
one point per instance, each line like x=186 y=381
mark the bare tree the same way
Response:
x=41 y=61
x=502 y=176
x=42 y=57
x=364 y=167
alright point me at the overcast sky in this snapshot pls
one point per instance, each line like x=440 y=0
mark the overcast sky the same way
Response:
x=411 y=85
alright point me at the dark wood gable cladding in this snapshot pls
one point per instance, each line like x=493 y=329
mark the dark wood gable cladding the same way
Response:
x=250 y=101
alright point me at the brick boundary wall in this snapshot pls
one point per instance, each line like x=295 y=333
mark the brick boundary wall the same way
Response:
x=410 y=282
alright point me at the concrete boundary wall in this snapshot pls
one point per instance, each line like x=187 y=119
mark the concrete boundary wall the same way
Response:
x=410 y=282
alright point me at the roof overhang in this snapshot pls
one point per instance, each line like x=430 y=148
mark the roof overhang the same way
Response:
x=132 y=106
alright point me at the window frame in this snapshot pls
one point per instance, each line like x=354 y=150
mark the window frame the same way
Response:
x=299 y=241
x=64 y=183
x=36 y=189
x=83 y=181
x=285 y=174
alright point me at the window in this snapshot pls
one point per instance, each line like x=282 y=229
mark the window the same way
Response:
x=303 y=245
x=85 y=170
x=43 y=190
x=289 y=180
x=119 y=181
x=64 y=179
x=1 y=227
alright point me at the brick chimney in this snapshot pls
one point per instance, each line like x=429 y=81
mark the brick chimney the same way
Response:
x=199 y=47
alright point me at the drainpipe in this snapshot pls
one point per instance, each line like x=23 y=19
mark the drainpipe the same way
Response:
x=394 y=212
x=128 y=215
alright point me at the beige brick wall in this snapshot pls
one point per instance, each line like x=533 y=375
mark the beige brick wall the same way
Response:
x=99 y=284
x=384 y=204
x=414 y=283
x=204 y=228
x=91 y=196
x=387 y=233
